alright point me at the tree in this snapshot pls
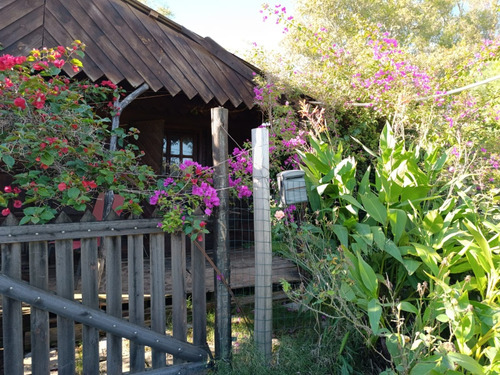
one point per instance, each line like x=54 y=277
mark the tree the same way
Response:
x=159 y=6
x=423 y=25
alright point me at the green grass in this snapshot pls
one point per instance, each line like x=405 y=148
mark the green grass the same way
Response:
x=302 y=344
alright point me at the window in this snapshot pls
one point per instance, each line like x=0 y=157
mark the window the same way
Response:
x=177 y=148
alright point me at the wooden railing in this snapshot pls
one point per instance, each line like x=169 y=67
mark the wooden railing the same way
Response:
x=88 y=237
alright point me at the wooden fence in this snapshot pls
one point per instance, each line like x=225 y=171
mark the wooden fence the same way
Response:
x=88 y=237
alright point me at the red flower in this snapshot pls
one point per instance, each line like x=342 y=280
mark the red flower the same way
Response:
x=7 y=189
x=18 y=203
x=59 y=63
x=39 y=101
x=62 y=186
x=200 y=238
x=5 y=212
x=202 y=224
x=17 y=190
x=20 y=102
x=74 y=126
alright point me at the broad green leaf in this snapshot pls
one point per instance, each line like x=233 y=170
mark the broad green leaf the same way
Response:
x=368 y=277
x=346 y=292
x=466 y=362
x=315 y=165
x=481 y=241
x=398 y=219
x=479 y=271
x=73 y=193
x=8 y=160
x=374 y=207
x=433 y=221
x=342 y=234
x=328 y=177
x=429 y=256
x=47 y=158
x=378 y=237
x=351 y=200
x=321 y=188
x=411 y=265
x=443 y=318
x=393 y=250
x=374 y=314
x=387 y=140
x=408 y=307
x=364 y=185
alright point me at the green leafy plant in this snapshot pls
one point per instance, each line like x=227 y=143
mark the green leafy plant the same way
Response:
x=401 y=257
x=54 y=152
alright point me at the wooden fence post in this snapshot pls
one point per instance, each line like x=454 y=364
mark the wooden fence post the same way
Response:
x=179 y=304
x=12 y=319
x=65 y=286
x=199 y=292
x=90 y=297
x=221 y=182
x=136 y=296
x=112 y=248
x=263 y=251
x=158 y=319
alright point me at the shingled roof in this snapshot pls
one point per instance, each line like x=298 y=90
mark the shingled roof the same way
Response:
x=129 y=42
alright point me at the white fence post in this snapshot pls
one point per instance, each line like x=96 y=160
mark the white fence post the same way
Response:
x=263 y=251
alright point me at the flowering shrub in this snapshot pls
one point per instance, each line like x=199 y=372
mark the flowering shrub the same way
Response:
x=52 y=142
x=186 y=199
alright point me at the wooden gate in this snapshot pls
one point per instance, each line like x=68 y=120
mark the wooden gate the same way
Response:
x=48 y=293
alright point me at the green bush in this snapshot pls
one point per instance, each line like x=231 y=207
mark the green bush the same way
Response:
x=404 y=254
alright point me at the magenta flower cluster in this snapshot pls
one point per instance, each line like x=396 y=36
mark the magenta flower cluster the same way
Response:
x=241 y=171
x=180 y=196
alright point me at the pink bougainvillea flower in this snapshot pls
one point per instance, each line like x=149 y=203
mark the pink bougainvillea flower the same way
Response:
x=5 y=212
x=42 y=65
x=18 y=203
x=20 y=103
x=59 y=63
x=39 y=101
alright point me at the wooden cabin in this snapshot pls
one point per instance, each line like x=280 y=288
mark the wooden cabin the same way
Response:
x=131 y=45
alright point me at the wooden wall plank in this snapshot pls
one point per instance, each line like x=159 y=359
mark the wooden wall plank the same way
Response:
x=29 y=23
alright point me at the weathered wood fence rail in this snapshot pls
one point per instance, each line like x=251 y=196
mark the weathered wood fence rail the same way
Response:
x=89 y=235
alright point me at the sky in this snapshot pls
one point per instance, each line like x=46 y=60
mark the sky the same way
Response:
x=234 y=24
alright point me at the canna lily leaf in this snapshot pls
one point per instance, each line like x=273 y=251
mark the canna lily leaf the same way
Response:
x=374 y=207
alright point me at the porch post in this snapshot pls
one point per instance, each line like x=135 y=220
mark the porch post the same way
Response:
x=221 y=182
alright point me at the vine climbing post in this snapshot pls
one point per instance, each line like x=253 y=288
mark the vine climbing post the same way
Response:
x=221 y=184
